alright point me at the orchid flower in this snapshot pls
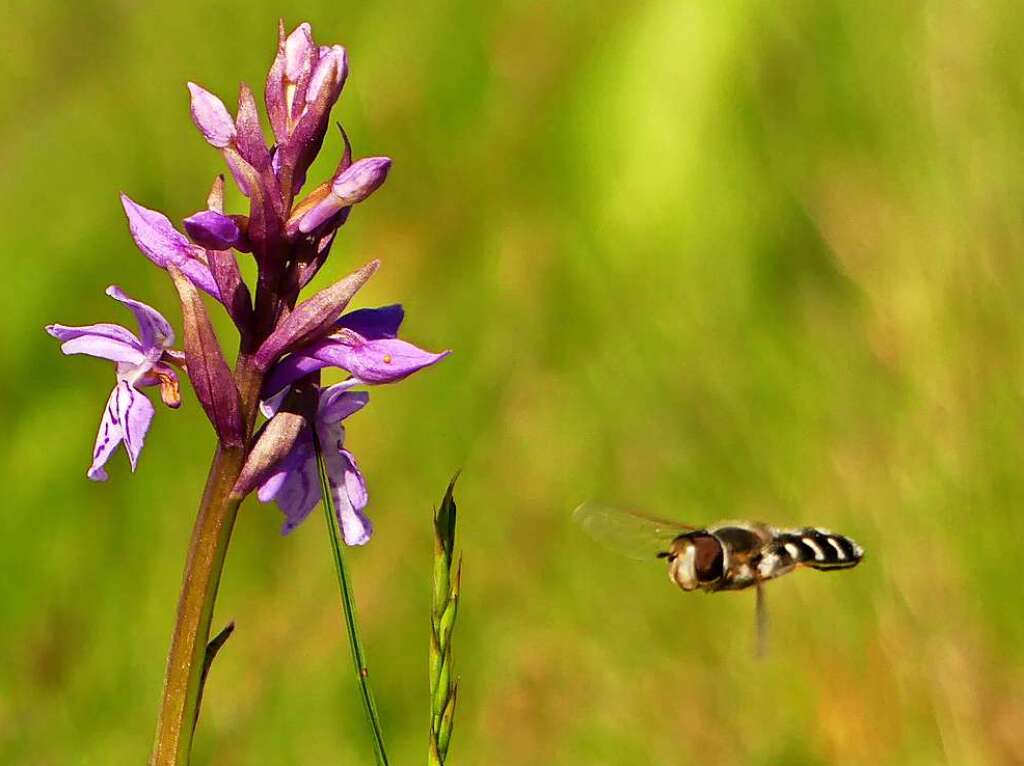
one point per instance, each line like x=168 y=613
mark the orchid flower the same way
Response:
x=138 y=362
x=364 y=343
x=285 y=471
x=294 y=484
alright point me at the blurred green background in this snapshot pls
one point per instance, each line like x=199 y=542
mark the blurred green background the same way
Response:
x=701 y=259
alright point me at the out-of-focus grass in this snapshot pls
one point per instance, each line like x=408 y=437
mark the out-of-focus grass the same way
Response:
x=740 y=259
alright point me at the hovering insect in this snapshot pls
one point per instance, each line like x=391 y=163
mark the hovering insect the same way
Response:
x=729 y=555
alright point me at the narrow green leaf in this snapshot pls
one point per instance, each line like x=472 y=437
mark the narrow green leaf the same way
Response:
x=348 y=602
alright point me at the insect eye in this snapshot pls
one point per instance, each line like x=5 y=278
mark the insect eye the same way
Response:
x=709 y=559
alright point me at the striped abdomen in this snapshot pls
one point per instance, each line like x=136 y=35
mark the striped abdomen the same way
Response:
x=816 y=548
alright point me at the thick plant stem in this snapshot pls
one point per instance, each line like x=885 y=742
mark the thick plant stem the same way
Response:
x=207 y=550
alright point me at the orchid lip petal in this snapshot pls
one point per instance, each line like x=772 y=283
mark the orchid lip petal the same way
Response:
x=108 y=437
x=126 y=419
x=135 y=412
x=298 y=493
x=293 y=482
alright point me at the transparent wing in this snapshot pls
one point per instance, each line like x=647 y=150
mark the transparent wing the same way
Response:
x=631 y=534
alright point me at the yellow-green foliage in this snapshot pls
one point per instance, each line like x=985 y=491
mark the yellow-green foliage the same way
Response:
x=704 y=259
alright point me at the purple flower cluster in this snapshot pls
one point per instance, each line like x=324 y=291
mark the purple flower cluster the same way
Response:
x=284 y=344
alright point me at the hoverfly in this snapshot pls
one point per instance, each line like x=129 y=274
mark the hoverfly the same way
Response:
x=729 y=555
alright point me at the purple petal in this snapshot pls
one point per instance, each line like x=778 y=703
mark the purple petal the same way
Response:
x=211 y=117
x=164 y=245
x=155 y=330
x=212 y=230
x=329 y=76
x=299 y=52
x=337 y=403
x=115 y=332
x=301 y=452
x=271 y=403
x=374 y=361
x=374 y=324
x=287 y=371
x=355 y=483
x=99 y=341
x=298 y=495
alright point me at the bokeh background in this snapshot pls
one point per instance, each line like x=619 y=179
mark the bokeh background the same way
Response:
x=702 y=259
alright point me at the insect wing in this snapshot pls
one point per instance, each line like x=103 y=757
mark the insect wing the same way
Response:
x=631 y=534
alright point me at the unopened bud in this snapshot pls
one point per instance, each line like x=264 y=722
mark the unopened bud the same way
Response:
x=360 y=179
x=211 y=117
x=353 y=184
x=212 y=230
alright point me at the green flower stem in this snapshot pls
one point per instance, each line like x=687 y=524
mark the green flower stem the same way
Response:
x=206 y=553
x=345 y=584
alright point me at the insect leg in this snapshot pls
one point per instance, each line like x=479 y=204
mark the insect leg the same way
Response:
x=761 y=622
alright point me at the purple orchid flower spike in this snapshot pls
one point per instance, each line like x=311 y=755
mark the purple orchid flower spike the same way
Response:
x=294 y=482
x=140 y=361
x=363 y=343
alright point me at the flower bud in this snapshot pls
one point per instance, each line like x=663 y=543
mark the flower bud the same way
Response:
x=353 y=184
x=361 y=179
x=328 y=77
x=299 y=51
x=212 y=230
x=211 y=117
